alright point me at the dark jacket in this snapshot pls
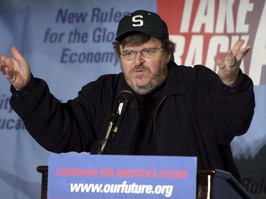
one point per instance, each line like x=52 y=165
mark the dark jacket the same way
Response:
x=197 y=116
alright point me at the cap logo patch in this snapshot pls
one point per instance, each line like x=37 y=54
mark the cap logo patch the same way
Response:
x=137 y=21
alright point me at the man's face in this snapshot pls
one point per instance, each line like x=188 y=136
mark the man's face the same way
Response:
x=147 y=69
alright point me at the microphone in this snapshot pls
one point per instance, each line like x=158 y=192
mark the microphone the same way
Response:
x=108 y=134
x=126 y=97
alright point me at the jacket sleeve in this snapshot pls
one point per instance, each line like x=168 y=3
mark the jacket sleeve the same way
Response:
x=228 y=110
x=58 y=127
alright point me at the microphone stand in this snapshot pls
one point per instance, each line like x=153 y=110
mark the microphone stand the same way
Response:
x=109 y=132
x=126 y=97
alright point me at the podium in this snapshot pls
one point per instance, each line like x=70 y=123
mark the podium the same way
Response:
x=218 y=184
x=211 y=184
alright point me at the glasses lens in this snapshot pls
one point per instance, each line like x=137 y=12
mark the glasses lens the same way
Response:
x=146 y=53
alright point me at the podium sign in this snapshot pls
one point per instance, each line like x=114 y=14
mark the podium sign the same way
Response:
x=78 y=176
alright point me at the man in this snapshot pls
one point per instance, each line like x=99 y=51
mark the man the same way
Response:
x=175 y=110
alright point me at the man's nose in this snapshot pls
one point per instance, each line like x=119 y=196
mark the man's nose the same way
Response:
x=139 y=58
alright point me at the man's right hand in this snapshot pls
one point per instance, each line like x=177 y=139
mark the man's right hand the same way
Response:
x=15 y=68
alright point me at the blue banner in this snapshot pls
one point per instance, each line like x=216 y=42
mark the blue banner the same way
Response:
x=78 y=176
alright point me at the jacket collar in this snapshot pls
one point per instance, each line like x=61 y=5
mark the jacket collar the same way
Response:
x=175 y=82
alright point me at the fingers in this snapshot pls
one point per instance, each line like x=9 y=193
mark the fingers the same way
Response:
x=3 y=58
x=230 y=59
x=228 y=63
x=15 y=68
x=16 y=54
x=238 y=45
x=242 y=53
x=239 y=52
x=234 y=56
x=218 y=62
x=230 y=66
x=5 y=67
x=9 y=63
x=8 y=73
x=3 y=64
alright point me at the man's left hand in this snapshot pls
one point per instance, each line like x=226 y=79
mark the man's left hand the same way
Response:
x=229 y=68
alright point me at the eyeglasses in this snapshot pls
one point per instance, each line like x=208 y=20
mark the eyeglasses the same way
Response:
x=146 y=53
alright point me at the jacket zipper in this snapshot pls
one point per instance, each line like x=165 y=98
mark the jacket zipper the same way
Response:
x=157 y=108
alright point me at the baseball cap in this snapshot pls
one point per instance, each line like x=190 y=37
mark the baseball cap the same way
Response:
x=142 y=21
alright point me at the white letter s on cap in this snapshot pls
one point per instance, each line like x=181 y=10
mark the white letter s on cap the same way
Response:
x=137 y=20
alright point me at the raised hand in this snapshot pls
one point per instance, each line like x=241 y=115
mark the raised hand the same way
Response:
x=229 y=68
x=15 y=68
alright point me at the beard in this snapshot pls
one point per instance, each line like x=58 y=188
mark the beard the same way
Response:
x=157 y=80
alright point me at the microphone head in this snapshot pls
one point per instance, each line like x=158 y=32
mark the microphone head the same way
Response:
x=126 y=95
